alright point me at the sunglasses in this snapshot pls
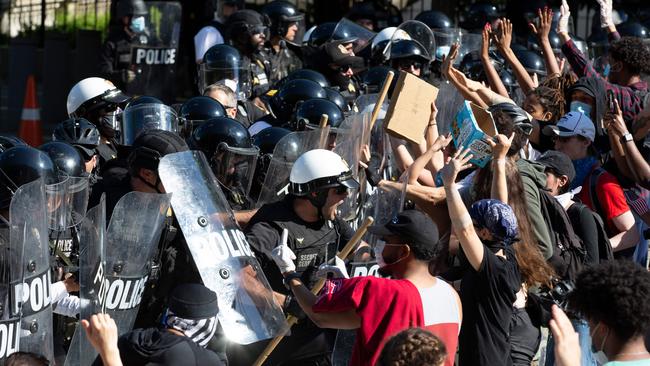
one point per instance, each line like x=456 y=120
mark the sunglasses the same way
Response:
x=344 y=69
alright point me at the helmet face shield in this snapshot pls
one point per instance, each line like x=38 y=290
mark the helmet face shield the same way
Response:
x=236 y=77
x=234 y=167
x=146 y=117
x=67 y=201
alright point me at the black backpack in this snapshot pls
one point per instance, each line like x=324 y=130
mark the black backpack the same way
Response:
x=605 y=251
x=569 y=255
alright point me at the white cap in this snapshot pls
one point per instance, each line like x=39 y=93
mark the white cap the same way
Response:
x=90 y=88
x=317 y=169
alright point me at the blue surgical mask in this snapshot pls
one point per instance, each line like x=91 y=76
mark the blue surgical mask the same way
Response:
x=581 y=107
x=599 y=354
x=137 y=24
x=606 y=70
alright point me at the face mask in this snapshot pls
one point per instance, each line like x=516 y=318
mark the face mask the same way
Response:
x=379 y=250
x=599 y=355
x=581 y=107
x=137 y=24
x=564 y=198
x=607 y=70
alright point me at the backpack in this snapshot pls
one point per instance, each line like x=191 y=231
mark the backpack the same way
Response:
x=605 y=251
x=569 y=255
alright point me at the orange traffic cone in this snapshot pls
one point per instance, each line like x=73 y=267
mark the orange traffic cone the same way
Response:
x=30 y=123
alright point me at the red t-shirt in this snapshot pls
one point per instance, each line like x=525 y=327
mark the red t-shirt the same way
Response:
x=385 y=308
x=610 y=197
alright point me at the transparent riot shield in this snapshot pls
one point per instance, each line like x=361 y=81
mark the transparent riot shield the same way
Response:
x=444 y=39
x=31 y=293
x=10 y=274
x=57 y=205
x=349 y=139
x=114 y=263
x=347 y=31
x=287 y=150
x=468 y=42
x=154 y=54
x=142 y=117
x=247 y=310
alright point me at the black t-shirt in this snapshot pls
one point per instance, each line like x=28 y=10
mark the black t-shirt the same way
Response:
x=312 y=243
x=584 y=225
x=487 y=296
x=158 y=347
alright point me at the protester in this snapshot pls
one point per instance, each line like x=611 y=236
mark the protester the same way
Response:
x=101 y=331
x=413 y=347
x=369 y=304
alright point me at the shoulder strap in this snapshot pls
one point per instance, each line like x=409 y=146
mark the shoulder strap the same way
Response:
x=593 y=181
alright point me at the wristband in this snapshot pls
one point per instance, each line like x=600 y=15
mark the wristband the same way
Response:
x=290 y=276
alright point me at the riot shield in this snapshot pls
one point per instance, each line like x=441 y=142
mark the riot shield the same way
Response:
x=247 y=310
x=10 y=273
x=444 y=39
x=31 y=292
x=347 y=31
x=236 y=77
x=468 y=42
x=114 y=263
x=67 y=202
x=154 y=55
x=349 y=139
x=287 y=150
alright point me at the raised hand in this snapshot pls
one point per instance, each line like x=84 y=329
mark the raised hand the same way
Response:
x=500 y=145
x=567 y=344
x=485 y=41
x=503 y=38
x=614 y=121
x=543 y=27
x=441 y=142
x=565 y=14
x=455 y=164
x=449 y=59
x=605 y=13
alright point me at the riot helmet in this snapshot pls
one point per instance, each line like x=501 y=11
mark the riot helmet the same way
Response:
x=79 y=133
x=131 y=8
x=92 y=94
x=333 y=95
x=347 y=32
x=146 y=113
x=380 y=43
x=284 y=102
x=228 y=146
x=633 y=29
x=518 y=115
x=315 y=172
x=282 y=15
x=223 y=63
x=197 y=110
x=20 y=165
x=554 y=39
x=8 y=141
x=509 y=81
x=435 y=19
x=309 y=113
x=268 y=138
x=65 y=157
x=245 y=24
x=308 y=74
x=373 y=79
x=409 y=49
x=364 y=14
x=532 y=62
x=479 y=14
x=321 y=34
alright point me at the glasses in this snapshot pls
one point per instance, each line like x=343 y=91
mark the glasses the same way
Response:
x=258 y=29
x=406 y=64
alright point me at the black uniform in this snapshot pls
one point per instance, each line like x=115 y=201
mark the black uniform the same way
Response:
x=116 y=55
x=314 y=244
x=260 y=71
x=283 y=62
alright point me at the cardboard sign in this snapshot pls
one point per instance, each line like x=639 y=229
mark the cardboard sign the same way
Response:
x=471 y=129
x=410 y=108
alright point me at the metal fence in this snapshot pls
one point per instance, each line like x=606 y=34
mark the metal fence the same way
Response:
x=27 y=17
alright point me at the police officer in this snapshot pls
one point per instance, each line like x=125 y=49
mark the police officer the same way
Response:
x=212 y=33
x=319 y=182
x=84 y=137
x=285 y=20
x=408 y=55
x=247 y=31
x=228 y=147
x=339 y=65
x=116 y=53
x=98 y=101
x=198 y=110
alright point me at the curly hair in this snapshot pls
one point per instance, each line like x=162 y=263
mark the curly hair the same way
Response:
x=633 y=53
x=616 y=293
x=552 y=100
x=413 y=347
x=532 y=266
x=26 y=359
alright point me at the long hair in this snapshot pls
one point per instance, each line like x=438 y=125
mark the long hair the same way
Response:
x=532 y=266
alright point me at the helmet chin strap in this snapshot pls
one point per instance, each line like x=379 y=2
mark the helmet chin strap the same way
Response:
x=319 y=201
x=152 y=186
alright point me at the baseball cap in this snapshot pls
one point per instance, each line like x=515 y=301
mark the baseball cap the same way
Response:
x=559 y=162
x=339 y=55
x=572 y=124
x=416 y=228
x=151 y=145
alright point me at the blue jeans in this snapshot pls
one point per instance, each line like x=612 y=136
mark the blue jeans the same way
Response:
x=582 y=328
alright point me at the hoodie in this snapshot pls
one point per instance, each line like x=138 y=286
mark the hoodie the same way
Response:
x=158 y=347
x=533 y=178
